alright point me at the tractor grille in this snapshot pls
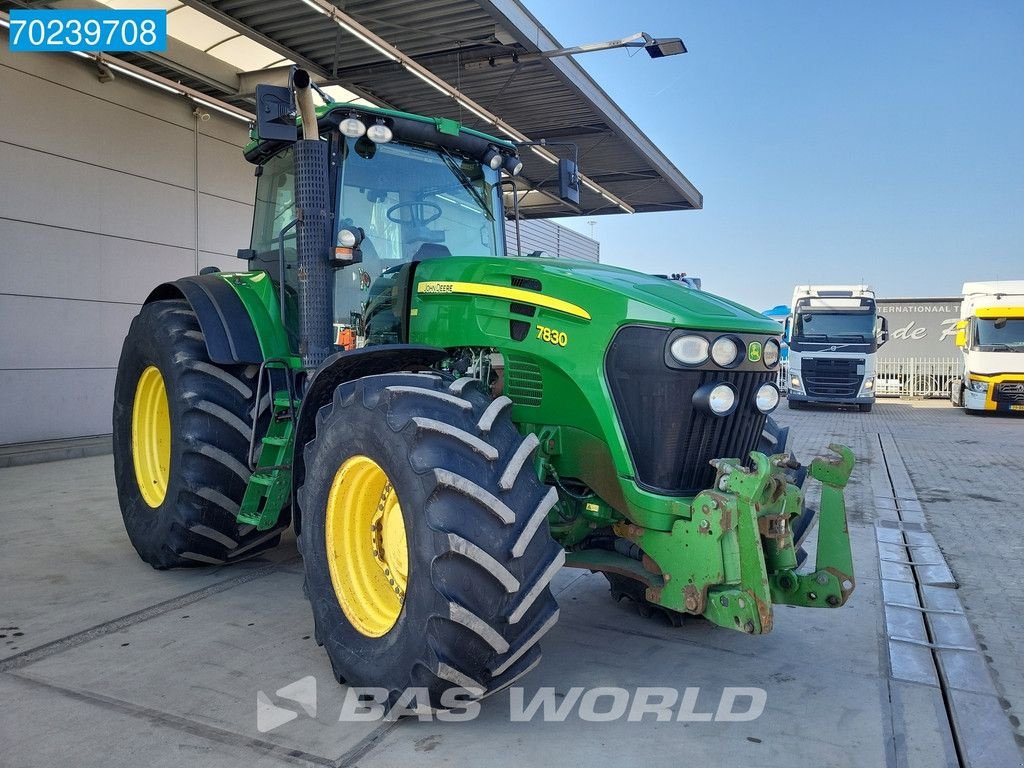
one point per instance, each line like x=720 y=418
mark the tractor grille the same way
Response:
x=669 y=440
x=832 y=377
x=1009 y=392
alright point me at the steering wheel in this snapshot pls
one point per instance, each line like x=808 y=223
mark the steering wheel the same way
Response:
x=420 y=213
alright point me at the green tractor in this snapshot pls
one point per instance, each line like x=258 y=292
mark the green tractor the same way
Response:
x=446 y=426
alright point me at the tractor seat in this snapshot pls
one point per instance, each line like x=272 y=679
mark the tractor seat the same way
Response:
x=431 y=251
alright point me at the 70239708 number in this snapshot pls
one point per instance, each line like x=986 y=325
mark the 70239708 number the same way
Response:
x=88 y=30
x=550 y=335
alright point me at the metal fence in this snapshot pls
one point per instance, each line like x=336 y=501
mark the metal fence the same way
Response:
x=926 y=377
x=907 y=377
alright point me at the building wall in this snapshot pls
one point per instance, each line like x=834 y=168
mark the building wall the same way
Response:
x=920 y=328
x=551 y=238
x=97 y=206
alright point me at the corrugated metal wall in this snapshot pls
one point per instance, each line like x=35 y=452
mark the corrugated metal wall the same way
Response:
x=551 y=238
x=97 y=206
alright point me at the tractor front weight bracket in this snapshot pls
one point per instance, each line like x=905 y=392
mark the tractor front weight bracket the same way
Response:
x=832 y=580
x=735 y=556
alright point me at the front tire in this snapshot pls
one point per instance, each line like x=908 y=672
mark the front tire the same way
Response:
x=451 y=596
x=865 y=407
x=181 y=428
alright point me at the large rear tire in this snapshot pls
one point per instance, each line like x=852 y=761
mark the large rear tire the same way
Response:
x=181 y=438
x=424 y=539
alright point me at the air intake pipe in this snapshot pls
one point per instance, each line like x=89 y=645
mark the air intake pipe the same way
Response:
x=313 y=204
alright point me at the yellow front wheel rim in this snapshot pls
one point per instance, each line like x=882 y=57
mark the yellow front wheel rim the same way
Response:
x=367 y=549
x=151 y=436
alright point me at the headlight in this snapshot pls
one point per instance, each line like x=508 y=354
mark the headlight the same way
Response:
x=725 y=351
x=770 y=355
x=869 y=384
x=794 y=382
x=718 y=399
x=690 y=350
x=493 y=158
x=379 y=133
x=352 y=127
x=977 y=386
x=767 y=398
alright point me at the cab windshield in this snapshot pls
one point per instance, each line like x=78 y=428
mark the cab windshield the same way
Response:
x=1000 y=334
x=829 y=326
x=412 y=203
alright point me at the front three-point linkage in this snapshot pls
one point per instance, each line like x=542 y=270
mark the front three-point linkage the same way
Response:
x=831 y=581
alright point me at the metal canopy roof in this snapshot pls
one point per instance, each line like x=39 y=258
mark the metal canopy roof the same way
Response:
x=473 y=45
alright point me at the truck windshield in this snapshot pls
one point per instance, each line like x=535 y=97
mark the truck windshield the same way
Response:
x=412 y=203
x=999 y=334
x=827 y=326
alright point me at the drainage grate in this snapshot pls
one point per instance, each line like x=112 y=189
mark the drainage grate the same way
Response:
x=930 y=641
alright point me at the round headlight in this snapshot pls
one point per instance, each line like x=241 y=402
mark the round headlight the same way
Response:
x=718 y=399
x=379 y=133
x=725 y=351
x=690 y=350
x=513 y=165
x=493 y=158
x=352 y=127
x=770 y=354
x=767 y=398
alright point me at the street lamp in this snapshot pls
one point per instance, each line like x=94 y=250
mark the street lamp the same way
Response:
x=656 y=47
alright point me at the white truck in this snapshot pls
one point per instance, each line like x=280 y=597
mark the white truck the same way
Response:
x=833 y=332
x=990 y=335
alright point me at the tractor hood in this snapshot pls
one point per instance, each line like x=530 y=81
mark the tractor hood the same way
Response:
x=602 y=292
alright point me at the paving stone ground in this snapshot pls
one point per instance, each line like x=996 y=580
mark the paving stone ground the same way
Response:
x=968 y=472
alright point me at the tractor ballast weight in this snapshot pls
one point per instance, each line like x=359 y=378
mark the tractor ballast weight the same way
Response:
x=447 y=426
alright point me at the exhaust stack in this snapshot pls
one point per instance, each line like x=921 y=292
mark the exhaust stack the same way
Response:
x=312 y=199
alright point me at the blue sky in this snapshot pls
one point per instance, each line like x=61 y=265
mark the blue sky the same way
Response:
x=833 y=141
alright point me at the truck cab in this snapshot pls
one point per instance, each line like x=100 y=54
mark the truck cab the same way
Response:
x=833 y=333
x=990 y=335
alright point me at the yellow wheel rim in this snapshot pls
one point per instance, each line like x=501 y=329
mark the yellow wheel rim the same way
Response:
x=367 y=550
x=151 y=436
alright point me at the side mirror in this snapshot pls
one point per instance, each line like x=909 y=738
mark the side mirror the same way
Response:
x=275 y=113
x=883 y=333
x=568 y=181
x=961 y=334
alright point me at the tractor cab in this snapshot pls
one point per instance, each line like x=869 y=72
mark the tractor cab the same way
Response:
x=404 y=189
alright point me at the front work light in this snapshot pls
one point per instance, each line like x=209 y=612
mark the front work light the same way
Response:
x=767 y=398
x=352 y=127
x=716 y=399
x=770 y=354
x=725 y=351
x=493 y=158
x=513 y=165
x=379 y=133
x=690 y=350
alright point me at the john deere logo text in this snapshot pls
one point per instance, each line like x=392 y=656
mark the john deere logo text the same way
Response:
x=754 y=351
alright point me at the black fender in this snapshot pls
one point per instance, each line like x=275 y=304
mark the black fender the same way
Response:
x=223 y=318
x=348 y=366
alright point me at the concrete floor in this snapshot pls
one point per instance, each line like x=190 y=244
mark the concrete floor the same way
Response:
x=104 y=661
